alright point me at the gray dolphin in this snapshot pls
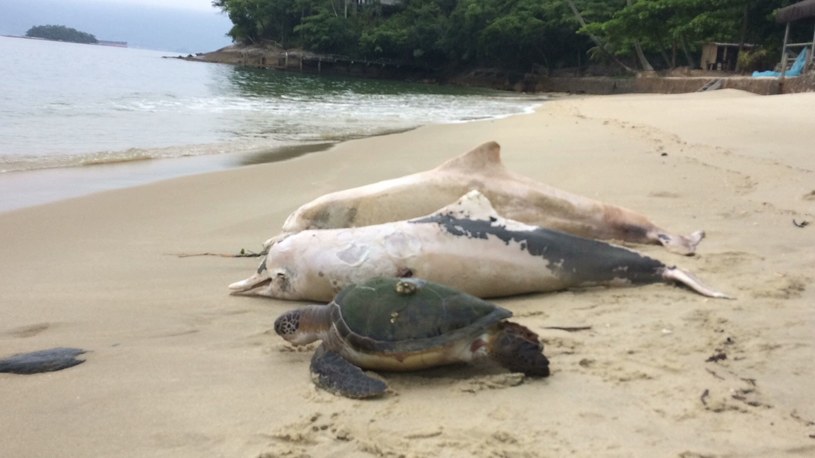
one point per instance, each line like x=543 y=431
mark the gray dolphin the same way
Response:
x=466 y=246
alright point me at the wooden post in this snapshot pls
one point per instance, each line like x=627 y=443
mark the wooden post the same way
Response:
x=784 y=57
x=811 y=50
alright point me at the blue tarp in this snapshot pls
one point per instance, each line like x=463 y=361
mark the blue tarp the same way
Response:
x=795 y=70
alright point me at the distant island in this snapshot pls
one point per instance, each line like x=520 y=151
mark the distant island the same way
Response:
x=68 y=34
x=60 y=33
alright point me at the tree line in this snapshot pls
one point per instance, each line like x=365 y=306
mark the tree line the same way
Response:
x=60 y=33
x=520 y=35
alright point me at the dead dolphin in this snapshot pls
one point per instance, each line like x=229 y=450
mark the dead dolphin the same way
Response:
x=514 y=196
x=466 y=246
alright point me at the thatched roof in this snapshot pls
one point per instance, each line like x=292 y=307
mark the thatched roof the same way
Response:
x=797 y=11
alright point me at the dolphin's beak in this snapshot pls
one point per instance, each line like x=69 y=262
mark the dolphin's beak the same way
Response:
x=251 y=285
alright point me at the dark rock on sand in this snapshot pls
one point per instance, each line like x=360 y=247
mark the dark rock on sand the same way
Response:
x=53 y=359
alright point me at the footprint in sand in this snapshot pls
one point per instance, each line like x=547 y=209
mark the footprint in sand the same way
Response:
x=295 y=439
x=30 y=330
x=491 y=382
x=727 y=398
x=729 y=259
x=664 y=194
x=617 y=371
x=781 y=286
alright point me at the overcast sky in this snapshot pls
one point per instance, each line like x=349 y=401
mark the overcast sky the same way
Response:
x=200 y=5
x=184 y=26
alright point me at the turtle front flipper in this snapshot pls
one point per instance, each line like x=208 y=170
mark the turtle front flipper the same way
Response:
x=335 y=374
x=518 y=349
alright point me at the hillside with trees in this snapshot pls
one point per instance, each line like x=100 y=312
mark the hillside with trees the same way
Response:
x=520 y=35
x=60 y=33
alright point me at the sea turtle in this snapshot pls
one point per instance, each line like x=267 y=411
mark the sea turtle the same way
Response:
x=404 y=324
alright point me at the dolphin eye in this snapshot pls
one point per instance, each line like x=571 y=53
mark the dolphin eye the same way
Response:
x=281 y=279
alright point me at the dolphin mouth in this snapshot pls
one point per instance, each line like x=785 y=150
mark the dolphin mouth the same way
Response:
x=251 y=285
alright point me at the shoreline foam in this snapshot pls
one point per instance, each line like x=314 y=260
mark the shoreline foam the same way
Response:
x=29 y=187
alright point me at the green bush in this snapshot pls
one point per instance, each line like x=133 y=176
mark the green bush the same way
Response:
x=60 y=33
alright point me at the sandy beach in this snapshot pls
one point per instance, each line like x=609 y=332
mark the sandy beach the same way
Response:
x=177 y=367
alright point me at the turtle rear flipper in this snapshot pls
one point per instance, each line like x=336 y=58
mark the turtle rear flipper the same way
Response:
x=53 y=359
x=335 y=374
x=519 y=350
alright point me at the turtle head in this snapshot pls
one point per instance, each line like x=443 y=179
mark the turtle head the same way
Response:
x=518 y=349
x=304 y=325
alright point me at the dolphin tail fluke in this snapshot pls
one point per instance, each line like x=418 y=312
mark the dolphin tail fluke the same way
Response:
x=677 y=275
x=681 y=244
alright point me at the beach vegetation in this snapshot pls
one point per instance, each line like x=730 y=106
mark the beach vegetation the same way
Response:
x=759 y=59
x=521 y=35
x=60 y=33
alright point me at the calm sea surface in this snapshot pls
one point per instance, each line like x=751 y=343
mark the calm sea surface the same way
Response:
x=78 y=118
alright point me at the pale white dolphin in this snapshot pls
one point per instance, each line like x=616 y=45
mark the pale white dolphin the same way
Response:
x=514 y=196
x=466 y=245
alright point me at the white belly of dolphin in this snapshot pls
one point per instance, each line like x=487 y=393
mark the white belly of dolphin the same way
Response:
x=482 y=267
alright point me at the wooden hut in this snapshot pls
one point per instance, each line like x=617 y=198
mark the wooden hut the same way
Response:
x=793 y=13
x=722 y=56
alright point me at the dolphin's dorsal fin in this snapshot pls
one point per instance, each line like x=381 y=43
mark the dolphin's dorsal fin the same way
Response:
x=472 y=205
x=487 y=155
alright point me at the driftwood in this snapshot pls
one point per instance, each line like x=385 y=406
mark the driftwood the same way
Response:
x=569 y=328
x=242 y=254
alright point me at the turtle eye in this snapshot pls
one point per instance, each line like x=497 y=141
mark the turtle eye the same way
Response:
x=287 y=324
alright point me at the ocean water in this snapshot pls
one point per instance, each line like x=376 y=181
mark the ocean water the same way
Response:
x=78 y=118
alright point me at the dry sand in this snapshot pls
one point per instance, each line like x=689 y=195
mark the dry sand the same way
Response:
x=177 y=367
